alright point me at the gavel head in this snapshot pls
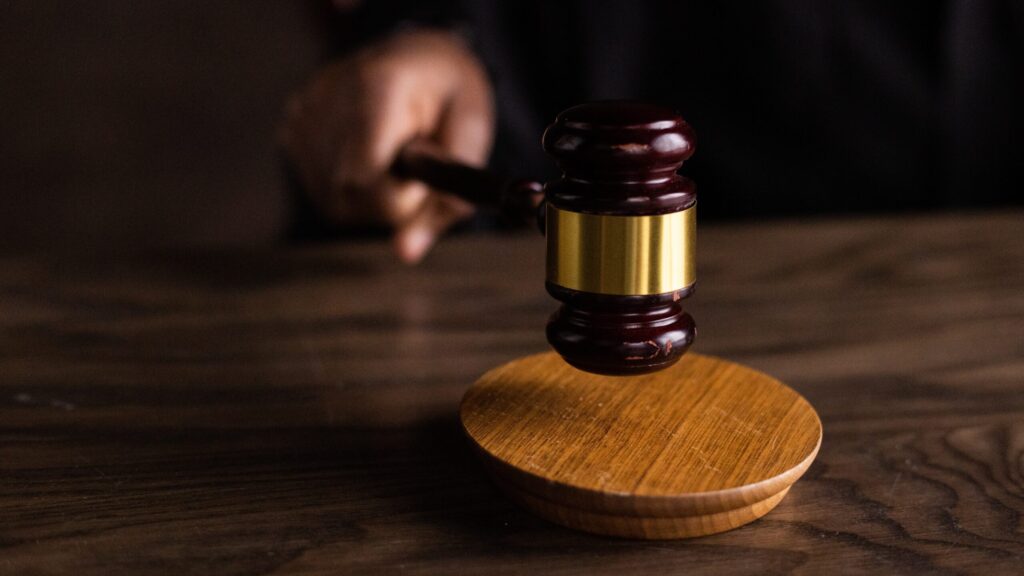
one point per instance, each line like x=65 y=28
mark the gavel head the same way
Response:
x=620 y=228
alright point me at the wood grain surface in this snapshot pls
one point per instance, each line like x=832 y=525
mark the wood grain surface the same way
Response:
x=295 y=412
x=702 y=447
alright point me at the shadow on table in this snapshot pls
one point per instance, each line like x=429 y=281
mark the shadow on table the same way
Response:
x=432 y=503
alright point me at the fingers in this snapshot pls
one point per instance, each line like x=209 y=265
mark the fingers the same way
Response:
x=439 y=212
x=396 y=108
x=399 y=200
x=459 y=115
x=465 y=130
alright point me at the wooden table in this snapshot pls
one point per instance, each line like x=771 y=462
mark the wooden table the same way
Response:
x=294 y=411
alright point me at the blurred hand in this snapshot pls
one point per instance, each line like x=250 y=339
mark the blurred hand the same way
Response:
x=343 y=130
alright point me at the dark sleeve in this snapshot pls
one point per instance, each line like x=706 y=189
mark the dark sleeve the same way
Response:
x=369 y=20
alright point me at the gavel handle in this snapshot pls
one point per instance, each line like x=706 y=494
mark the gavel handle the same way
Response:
x=516 y=200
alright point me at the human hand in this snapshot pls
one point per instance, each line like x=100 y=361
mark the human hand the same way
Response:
x=343 y=130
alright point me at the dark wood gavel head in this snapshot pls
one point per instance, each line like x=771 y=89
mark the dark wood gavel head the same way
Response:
x=621 y=231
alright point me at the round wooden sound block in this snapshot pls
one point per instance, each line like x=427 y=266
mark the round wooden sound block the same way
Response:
x=702 y=447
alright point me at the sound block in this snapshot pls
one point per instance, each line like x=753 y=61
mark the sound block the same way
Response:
x=702 y=447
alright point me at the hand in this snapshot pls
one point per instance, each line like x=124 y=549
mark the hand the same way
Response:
x=343 y=130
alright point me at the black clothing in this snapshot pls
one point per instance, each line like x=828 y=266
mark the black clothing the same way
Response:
x=800 y=106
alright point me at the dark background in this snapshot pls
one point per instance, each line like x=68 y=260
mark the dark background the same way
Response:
x=146 y=122
x=126 y=124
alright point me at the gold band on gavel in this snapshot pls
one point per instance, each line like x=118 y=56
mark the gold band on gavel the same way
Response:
x=622 y=255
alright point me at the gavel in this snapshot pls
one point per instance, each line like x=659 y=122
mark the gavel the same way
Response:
x=620 y=226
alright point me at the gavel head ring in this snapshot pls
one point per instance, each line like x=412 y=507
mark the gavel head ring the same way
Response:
x=621 y=232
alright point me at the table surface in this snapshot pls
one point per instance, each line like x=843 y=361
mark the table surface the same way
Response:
x=294 y=411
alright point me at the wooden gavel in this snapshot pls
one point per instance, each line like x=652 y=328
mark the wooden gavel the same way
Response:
x=620 y=227
x=516 y=200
